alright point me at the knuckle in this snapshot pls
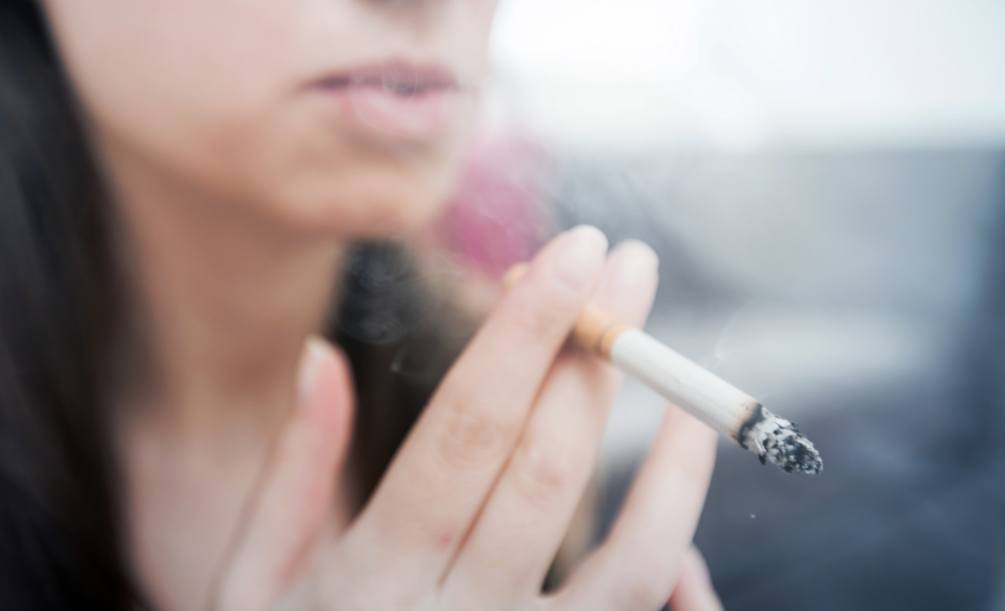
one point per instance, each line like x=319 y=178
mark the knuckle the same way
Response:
x=297 y=439
x=474 y=435
x=232 y=596
x=542 y=473
x=641 y=594
x=542 y=319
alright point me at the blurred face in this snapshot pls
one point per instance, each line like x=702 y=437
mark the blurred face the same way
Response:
x=344 y=115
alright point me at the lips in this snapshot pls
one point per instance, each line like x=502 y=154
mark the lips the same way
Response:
x=398 y=76
x=397 y=99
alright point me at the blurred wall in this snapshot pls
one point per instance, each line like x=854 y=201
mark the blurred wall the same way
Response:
x=736 y=74
x=825 y=182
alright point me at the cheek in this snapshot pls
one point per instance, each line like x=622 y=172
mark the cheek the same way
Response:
x=178 y=83
x=189 y=86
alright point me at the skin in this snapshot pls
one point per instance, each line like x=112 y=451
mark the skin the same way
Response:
x=238 y=189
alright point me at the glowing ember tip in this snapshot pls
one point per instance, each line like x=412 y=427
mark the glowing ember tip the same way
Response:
x=778 y=441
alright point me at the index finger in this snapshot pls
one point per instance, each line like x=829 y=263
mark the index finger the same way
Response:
x=437 y=483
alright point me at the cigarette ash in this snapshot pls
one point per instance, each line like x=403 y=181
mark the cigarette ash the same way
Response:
x=777 y=440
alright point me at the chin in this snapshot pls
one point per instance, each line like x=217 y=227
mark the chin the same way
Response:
x=371 y=205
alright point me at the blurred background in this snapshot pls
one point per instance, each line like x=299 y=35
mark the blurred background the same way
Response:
x=825 y=183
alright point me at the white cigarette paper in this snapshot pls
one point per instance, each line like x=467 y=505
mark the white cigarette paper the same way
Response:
x=700 y=392
x=708 y=397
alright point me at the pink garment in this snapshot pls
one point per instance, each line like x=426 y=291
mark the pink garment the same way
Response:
x=497 y=216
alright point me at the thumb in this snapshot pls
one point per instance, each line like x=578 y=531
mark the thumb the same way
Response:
x=295 y=496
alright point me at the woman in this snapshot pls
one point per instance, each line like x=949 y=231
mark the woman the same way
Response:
x=193 y=191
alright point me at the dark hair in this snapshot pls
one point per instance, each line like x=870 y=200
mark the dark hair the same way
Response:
x=62 y=310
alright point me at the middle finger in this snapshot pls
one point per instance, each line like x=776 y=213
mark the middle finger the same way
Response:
x=527 y=514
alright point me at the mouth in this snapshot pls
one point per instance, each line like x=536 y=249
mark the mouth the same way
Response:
x=397 y=99
x=398 y=77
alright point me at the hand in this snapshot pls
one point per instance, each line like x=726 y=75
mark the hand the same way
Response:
x=475 y=504
x=694 y=590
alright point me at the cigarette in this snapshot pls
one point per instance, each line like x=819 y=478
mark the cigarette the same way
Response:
x=693 y=388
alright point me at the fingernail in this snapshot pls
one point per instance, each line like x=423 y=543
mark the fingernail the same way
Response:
x=315 y=350
x=637 y=263
x=582 y=253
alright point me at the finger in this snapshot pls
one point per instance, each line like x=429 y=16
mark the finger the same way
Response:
x=438 y=481
x=519 y=532
x=637 y=566
x=694 y=591
x=295 y=499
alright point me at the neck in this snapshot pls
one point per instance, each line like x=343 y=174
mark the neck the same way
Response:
x=226 y=299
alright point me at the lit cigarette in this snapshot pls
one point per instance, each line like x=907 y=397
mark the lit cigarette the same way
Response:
x=703 y=394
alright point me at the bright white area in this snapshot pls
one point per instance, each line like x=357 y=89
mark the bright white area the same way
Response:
x=743 y=75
